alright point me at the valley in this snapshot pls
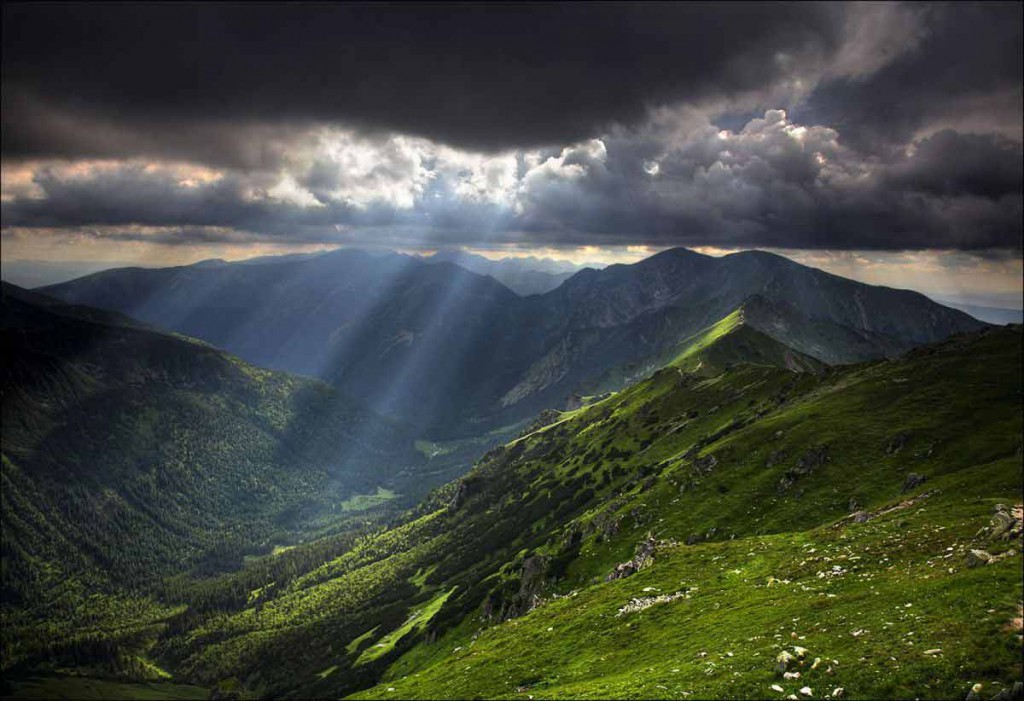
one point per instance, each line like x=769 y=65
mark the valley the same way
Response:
x=675 y=524
x=516 y=350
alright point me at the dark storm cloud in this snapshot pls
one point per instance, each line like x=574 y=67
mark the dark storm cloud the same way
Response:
x=965 y=71
x=949 y=163
x=901 y=127
x=86 y=80
x=774 y=183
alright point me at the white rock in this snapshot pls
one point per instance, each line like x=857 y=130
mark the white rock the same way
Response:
x=776 y=687
x=791 y=675
x=838 y=692
x=806 y=691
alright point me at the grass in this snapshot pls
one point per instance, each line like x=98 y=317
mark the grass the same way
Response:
x=86 y=689
x=893 y=597
x=497 y=585
x=902 y=587
x=417 y=620
x=365 y=502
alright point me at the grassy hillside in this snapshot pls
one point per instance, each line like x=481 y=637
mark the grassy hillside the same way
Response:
x=674 y=539
x=129 y=456
x=732 y=342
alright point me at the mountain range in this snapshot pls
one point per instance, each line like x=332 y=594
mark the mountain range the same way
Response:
x=524 y=276
x=693 y=477
x=453 y=353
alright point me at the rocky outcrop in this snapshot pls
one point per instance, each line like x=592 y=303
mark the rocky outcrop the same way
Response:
x=896 y=444
x=544 y=418
x=1006 y=523
x=461 y=491
x=643 y=557
x=705 y=464
x=913 y=481
x=520 y=595
x=807 y=464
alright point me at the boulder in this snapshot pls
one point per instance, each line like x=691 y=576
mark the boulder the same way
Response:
x=896 y=444
x=913 y=480
x=1006 y=523
x=705 y=464
x=977 y=558
x=783 y=661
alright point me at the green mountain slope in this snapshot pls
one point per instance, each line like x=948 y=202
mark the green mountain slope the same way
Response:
x=733 y=341
x=676 y=537
x=129 y=455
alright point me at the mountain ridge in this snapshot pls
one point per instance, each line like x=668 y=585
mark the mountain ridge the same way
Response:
x=452 y=351
x=681 y=527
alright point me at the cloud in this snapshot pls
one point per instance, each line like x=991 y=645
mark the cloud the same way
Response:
x=229 y=85
x=962 y=68
x=772 y=183
x=949 y=163
x=849 y=126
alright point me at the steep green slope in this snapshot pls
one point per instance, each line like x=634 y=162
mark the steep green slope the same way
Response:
x=129 y=455
x=768 y=508
x=732 y=341
x=885 y=596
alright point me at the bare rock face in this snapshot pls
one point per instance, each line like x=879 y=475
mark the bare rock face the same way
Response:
x=643 y=557
x=519 y=596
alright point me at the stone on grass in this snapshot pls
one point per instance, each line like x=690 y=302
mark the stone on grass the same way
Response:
x=913 y=480
x=783 y=661
x=976 y=558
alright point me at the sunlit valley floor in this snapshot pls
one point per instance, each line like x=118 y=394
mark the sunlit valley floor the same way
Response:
x=679 y=479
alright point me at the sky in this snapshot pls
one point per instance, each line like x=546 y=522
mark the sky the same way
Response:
x=881 y=141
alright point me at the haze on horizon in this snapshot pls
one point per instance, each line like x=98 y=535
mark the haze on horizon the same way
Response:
x=878 y=141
